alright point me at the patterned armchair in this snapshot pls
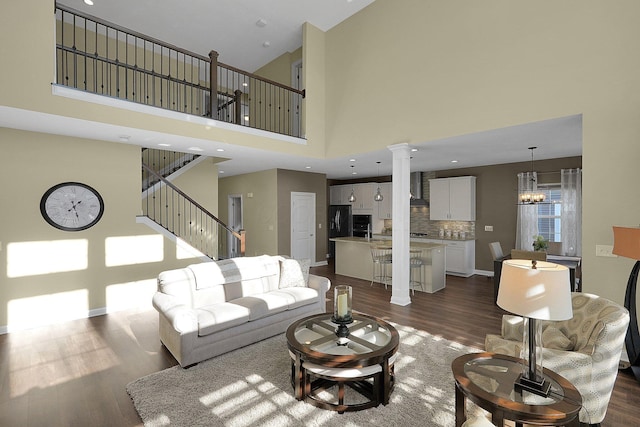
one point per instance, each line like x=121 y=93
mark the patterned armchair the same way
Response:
x=584 y=349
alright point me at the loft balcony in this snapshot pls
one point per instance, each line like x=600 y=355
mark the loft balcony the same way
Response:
x=102 y=58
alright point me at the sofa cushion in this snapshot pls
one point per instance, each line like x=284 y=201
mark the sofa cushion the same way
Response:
x=297 y=296
x=216 y=317
x=262 y=305
x=210 y=274
x=293 y=273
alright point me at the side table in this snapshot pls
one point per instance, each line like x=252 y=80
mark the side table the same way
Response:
x=487 y=380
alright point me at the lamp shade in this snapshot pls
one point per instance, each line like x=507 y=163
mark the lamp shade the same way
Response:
x=539 y=292
x=626 y=242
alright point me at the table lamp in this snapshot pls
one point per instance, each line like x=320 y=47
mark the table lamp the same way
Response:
x=535 y=290
x=626 y=243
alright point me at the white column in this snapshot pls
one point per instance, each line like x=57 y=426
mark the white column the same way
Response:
x=401 y=224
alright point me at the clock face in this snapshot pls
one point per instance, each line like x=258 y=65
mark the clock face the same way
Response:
x=72 y=206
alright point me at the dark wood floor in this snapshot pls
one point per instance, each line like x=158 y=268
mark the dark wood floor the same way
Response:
x=74 y=374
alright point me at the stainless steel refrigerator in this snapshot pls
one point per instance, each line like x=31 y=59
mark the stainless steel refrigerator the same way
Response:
x=339 y=224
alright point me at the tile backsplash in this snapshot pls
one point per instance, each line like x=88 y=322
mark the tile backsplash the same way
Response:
x=419 y=217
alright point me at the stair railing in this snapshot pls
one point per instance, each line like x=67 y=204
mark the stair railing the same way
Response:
x=97 y=56
x=175 y=211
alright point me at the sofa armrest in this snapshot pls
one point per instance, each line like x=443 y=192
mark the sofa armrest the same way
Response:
x=319 y=283
x=183 y=318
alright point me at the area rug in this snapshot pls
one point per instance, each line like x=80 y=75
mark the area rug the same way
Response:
x=251 y=386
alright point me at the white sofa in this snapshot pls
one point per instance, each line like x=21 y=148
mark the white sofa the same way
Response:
x=214 y=307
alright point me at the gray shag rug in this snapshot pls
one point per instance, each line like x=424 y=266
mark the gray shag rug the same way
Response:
x=251 y=386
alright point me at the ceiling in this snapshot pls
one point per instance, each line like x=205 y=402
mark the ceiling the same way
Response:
x=232 y=23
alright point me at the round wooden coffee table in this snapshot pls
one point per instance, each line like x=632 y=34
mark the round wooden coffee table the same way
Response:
x=487 y=379
x=362 y=361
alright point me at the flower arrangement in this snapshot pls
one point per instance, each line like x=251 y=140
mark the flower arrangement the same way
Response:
x=539 y=244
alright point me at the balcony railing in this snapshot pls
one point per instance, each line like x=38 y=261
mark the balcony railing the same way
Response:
x=103 y=58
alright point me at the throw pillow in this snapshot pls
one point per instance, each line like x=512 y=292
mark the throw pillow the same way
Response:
x=553 y=337
x=293 y=273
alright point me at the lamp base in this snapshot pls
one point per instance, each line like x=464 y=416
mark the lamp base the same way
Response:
x=632 y=339
x=541 y=388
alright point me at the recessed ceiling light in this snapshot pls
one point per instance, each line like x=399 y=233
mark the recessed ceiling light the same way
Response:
x=124 y=137
x=307 y=167
x=220 y=149
x=164 y=145
x=88 y=2
x=195 y=149
x=220 y=171
x=352 y=160
x=414 y=149
x=354 y=173
x=454 y=161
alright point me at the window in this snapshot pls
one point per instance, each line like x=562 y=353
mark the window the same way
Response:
x=549 y=224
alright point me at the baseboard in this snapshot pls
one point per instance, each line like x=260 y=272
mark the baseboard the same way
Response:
x=484 y=273
x=5 y=329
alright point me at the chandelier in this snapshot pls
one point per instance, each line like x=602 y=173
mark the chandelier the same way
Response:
x=530 y=195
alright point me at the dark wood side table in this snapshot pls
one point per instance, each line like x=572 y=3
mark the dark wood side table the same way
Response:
x=487 y=380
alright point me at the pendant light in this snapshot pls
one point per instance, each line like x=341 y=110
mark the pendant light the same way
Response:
x=352 y=197
x=530 y=196
x=378 y=197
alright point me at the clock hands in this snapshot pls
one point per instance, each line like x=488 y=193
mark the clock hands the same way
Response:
x=73 y=207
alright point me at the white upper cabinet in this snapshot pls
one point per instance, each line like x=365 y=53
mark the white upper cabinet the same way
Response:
x=364 y=198
x=453 y=198
x=339 y=195
x=384 y=207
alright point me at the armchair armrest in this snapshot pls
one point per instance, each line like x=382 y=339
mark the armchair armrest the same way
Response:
x=183 y=318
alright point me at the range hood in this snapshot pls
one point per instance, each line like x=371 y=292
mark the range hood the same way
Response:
x=415 y=185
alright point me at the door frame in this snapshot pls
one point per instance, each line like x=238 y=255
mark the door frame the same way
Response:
x=232 y=242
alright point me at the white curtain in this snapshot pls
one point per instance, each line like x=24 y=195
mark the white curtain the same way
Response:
x=571 y=217
x=527 y=222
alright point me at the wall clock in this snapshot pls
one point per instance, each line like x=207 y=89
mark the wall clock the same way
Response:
x=72 y=206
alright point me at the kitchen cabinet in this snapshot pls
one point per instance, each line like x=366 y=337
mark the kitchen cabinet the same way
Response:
x=339 y=194
x=453 y=198
x=385 y=207
x=460 y=257
x=364 y=199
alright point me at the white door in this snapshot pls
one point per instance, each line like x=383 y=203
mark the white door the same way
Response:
x=235 y=223
x=303 y=219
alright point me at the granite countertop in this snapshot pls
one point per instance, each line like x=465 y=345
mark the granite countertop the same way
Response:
x=418 y=239
x=362 y=240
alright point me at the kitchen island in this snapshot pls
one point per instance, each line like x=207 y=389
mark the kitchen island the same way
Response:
x=353 y=259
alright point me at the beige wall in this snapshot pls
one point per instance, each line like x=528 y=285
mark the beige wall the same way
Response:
x=288 y=182
x=279 y=70
x=458 y=67
x=32 y=289
x=496 y=195
x=260 y=208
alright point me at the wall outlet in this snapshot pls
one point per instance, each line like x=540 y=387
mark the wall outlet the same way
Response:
x=605 y=250
x=488 y=228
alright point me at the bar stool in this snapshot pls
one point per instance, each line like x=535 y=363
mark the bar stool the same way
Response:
x=415 y=270
x=381 y=256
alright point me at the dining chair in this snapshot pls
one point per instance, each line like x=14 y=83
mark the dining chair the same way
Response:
x=496 y=250
x=520 y=254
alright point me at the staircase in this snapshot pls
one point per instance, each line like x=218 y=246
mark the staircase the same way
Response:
x=174 y=214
